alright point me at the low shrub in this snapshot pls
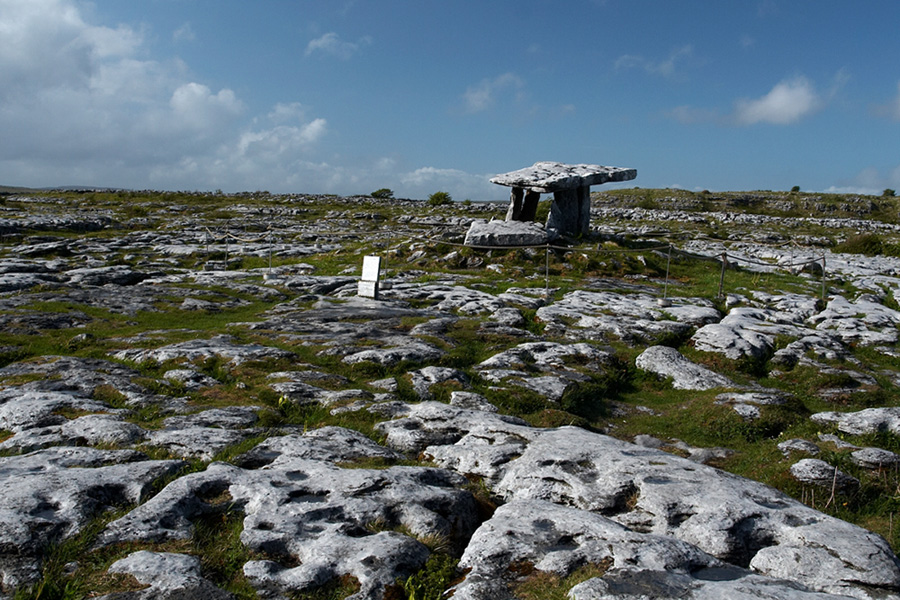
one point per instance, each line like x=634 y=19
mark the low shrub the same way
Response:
x=440 y=199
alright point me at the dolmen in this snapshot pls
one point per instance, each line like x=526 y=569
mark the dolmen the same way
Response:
x=570 y=212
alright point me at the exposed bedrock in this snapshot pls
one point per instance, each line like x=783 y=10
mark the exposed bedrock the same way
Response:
x=739 y=521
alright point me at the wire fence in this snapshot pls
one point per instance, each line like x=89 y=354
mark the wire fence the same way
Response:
x=724 y=258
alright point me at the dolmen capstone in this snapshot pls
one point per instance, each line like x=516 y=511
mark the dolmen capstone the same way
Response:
x=570 y=212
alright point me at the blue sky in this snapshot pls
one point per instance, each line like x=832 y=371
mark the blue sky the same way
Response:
x=347 y=97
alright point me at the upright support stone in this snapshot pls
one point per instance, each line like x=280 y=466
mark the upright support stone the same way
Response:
x=562 y=219
x=529 y=205
x=514 y=212
x=583 y=198
x=522 y=204
x=570 y=212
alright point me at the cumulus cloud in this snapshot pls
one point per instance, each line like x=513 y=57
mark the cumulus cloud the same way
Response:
x=81 y=104
x=280 y=140
x=196 y=107
x=871 y=181
x=482 y=96
x=46 y=42
x=333 y=45
x=423 y=181
x=285 y=112
x=788 y=102
x=668 y=67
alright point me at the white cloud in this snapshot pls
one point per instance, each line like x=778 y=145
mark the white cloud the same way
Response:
x=331 y=44
x=787 y=102
x=185 y=33
x=285 y=112
x=668 y=67
x=281 y=140
x=870 y=181
x=432 y=175
x=46 y=42
x=80 y=105
x=424 y=181
x=196 y=107
x=482 y=96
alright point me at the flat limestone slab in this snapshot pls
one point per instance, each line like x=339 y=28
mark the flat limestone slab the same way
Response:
x=505 y=233
x=547 y=177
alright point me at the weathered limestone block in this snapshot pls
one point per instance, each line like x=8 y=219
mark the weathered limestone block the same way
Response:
x=433 y=423
x=686 y=375
x=869 y=420
x=631 y=317
x=738 y=520
x=798 y=445
x=170 y=576
x=558 y=539
x=56 y=492
x=199 y=349
x=315 y=519
x=743 y=522
x=505 y=233
x=819 y=473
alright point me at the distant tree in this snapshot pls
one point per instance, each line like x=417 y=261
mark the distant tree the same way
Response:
x=439 y=198
x=889 y=193
x=795 y=189
x=383 y=193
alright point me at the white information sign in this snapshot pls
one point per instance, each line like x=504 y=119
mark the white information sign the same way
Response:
x=371 y=271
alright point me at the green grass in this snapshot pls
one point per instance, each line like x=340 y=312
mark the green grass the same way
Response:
x=541 y=585
x=431 y=580
x=689 y=416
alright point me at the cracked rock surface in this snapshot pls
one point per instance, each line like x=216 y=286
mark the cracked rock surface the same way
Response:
x=187 y=410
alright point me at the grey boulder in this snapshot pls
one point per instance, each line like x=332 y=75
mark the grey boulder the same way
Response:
x=686 y=375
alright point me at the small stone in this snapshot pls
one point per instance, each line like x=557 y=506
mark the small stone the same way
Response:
x=875 y=458
x=819 y=473
x=798 y=445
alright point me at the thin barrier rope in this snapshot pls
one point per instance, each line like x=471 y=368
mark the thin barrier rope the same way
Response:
x=792 y=265
x=547 y=247
x=229 y=235
x=724 y=258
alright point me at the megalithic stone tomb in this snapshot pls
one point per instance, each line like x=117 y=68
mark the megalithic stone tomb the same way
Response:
x=570 y=213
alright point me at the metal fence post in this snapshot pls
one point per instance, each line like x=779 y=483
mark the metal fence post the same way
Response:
x=668 y=262
x=722 y=276
x=547 y=273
